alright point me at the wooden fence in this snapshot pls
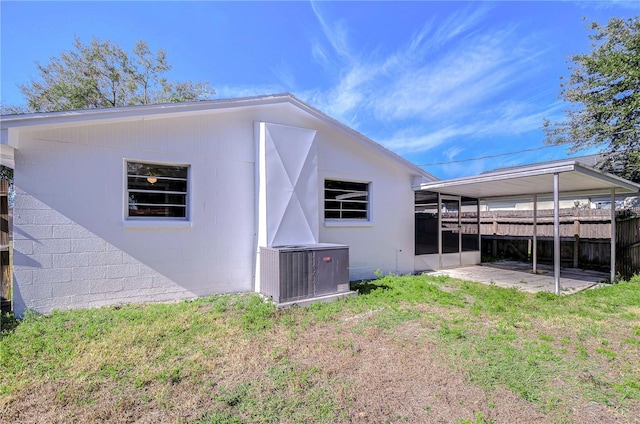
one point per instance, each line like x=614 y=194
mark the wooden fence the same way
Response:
x=5 y=267
x=628 y=245
x=584 y=238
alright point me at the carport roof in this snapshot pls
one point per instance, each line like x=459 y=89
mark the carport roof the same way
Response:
x=525 y=181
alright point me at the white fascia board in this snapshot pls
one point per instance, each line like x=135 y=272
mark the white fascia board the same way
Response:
x=133 y=112
x=564 y=195
x=498 y=176
x=609 y=181
x=613 y=180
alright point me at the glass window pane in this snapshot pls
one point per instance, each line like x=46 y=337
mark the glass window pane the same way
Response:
x=157 y=211
x=156 y=183
x=331 y=194
x=331 y=205
x=354 y=206
x=158 y=198
x=353 y=215
x=345 y=185
x=332 y=214
x=149 y=169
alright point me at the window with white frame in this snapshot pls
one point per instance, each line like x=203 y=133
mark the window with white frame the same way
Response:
x=157 y=190
x=346 y=200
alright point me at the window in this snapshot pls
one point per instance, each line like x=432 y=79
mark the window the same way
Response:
x=346 y=200
x=157 y=191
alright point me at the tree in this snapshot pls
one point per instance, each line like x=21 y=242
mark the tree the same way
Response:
x=604 y=88
x=101 y=74
x=12 y=109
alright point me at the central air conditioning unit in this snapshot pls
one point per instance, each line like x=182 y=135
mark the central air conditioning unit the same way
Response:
x=304 y=272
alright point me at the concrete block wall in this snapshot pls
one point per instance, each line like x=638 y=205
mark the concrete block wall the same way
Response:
x=58 y=264
x=74 y=247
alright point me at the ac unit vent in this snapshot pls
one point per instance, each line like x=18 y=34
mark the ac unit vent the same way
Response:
x=290 y=273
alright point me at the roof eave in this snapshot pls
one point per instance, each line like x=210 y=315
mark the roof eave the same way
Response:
x=47 y=118
x=134 y=112
x=612 y=181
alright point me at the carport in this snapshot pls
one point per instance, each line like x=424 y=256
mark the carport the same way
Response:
x=565 y=178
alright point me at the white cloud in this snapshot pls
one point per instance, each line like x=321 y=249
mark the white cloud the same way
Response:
x=319 y=54
x=505 y=119
x=459 y=23
x=443 y=84
x=608 y=4
x=404 y=142
x=452 y=152
x=284 y=75
x=335 y=33
x=468 y=74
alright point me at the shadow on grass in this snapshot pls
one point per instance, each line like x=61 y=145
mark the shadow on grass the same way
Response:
x=368 y=286
x=8 y=323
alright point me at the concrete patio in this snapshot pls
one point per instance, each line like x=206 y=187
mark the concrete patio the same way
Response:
x=511 y=274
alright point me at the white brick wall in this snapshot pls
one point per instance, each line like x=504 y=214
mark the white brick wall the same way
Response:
x=59 y=264
x=71 y=246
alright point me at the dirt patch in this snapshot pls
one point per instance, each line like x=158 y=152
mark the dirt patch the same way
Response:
x=399 y=376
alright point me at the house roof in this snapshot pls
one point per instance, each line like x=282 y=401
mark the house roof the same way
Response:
x=587 y=160
x=172 y=109
x=525 y=181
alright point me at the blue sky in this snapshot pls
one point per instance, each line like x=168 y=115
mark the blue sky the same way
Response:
x=436 y=82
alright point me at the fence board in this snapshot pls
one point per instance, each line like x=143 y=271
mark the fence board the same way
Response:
x=585 y=238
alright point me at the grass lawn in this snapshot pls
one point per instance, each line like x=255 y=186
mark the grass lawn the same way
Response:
x=408 y=349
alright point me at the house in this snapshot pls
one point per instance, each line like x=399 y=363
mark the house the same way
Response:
x=163 y=202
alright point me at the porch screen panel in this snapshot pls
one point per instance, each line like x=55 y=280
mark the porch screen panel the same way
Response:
x=426 y=223
x=470 y=224
x=450 y=226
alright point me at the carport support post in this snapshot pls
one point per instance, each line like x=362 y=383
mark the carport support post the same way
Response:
x=534 y=248
x=440 y=230
x=556 y=231
x=613 y=235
